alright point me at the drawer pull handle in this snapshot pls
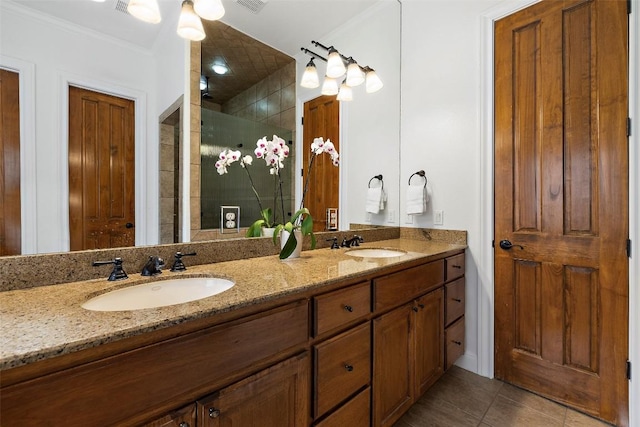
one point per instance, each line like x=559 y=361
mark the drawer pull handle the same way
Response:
x=457 y=299
x=349 y=368
x=456 y=266
x=456 y=342
x=183 y=424
x=415 y=309
x=348 y=308
x=214 y=413
x=421 y=305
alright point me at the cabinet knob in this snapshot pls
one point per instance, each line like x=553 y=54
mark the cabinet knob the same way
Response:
x=183 y=424
x=214 y=413
x=456 y=266
x=348 y=308
x=415 y=309
x=457 y=299
x=456 y=342
x=421 y=305
x=349 y=368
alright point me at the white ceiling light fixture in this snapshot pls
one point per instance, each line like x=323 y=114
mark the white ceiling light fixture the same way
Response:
x=189 y=24
x=210 y=10
x=145 y=10
x=220 y=69
x=339 y=67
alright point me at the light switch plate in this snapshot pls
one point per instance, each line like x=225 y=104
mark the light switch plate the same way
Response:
x=438 y=217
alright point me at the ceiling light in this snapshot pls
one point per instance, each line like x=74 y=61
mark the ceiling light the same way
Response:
x=330 y=86
x=345 y=93
x=189 y=25
x=145 y=10
x=374 y=83
x=355 y=75
x=203 y=82
x=335 y=66
x=209 y=9
x=310 y=77
x=220 y=69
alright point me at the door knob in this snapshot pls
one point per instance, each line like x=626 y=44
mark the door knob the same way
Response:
x=506 y=245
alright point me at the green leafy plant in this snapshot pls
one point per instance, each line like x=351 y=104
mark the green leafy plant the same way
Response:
x=302 y=219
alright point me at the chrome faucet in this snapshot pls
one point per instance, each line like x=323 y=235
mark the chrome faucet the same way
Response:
x=354 y=241
x=153 y=266
x=118 y=272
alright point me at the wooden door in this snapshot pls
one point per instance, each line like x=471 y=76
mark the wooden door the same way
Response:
x=393 y=359
x=184 y=417
x=321 y=119
x=101 y=170
x=561 y=199
x=429 y=336
x=276 y=397
x=10 y=209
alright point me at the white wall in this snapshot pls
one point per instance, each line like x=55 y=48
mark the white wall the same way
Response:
x=61 y=53
x=446 y=130
x=371 y=122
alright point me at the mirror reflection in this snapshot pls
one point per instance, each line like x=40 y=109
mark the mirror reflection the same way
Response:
x=112 y=53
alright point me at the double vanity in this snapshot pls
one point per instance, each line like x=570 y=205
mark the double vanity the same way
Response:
x=334 y=338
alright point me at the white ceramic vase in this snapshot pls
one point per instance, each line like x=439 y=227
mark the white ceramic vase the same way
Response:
x=284 y=235
x=267 y=231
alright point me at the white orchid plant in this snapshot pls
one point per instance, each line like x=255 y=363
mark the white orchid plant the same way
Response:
x=302 y=219
x=274 y=153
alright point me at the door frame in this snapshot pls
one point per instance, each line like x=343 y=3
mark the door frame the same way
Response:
x=486 y=194
x=140 y=135
x=26 y=72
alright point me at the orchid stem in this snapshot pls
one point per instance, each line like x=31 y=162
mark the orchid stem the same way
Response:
x=254 y=189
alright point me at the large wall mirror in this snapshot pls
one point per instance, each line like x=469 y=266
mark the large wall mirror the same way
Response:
x=65 y=42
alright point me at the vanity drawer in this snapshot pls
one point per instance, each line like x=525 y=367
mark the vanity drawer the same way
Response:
x=455 y=342
x=454 y=294
x=342 y=366
x=455 y=266
x=355 y=413
x=341 y=307
x=401 y=287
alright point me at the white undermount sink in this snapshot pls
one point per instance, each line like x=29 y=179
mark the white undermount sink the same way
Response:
x=375 y=252
x=160 y=293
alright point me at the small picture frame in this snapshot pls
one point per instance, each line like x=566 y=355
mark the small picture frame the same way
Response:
x=229 y=219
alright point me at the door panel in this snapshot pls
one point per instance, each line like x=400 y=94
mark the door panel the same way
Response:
x=101 y=170
x=561 y=198
x=321 y=119
x=10 y=207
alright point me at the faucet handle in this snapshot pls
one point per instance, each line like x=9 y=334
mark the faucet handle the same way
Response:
x=334 y=245
x=118 y=272
x=153 y=266
x=357 y=240
x=178 y=265
x=345 y=243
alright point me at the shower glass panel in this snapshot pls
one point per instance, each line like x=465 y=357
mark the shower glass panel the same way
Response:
x=222 y=132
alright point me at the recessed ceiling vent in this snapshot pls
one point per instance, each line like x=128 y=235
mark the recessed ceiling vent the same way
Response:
x=121 y=6
x=254 y=6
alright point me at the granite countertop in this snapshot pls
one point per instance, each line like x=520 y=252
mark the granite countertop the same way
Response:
x=48 y=321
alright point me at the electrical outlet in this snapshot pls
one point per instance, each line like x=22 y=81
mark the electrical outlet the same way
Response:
x=409 y=219
x=438 y=217
x=391 y=216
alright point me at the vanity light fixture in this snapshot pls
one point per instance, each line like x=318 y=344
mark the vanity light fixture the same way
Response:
x=339 y=67
x=189 y=23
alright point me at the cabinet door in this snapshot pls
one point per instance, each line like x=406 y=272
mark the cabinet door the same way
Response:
x=275 y=397
x=185 y=417
x=393 y=355
x=429 y=335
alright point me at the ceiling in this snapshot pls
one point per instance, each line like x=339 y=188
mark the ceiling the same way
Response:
x=283 y=26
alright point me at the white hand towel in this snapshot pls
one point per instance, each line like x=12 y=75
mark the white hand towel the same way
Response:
x=383 y=199
x=374 y=200
x=416 y=200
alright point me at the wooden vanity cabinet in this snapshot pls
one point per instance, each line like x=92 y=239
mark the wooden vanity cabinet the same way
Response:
x=184 y=417
x=278 y=396
x=454 y=309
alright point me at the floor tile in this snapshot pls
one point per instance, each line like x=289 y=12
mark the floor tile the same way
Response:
x=433 y=412
x=473 y=400
x=505 y=413
x=533 y=401
x=577 y=419
x=491 y=386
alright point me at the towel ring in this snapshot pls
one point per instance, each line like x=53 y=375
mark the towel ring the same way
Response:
x=419 y=173
x=379 y=178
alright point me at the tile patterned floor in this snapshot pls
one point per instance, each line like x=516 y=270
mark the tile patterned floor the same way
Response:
x=461 y=398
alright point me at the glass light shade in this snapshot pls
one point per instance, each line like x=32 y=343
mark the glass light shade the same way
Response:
x=145 y=10
x=345 y=93
x=374 y=83
x=220 y=69
x=335 y=66
x=310 y=77
x=189 y=25
x=330 y=86
x=203 y=82
x=355 y=76
x=209 y=9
